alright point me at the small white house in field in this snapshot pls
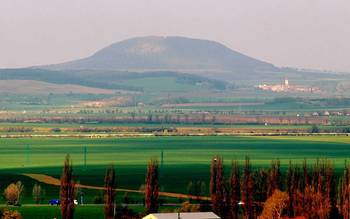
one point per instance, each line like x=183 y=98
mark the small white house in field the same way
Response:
x=183 y=215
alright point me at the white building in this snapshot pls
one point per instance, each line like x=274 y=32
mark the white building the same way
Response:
x=183 y=215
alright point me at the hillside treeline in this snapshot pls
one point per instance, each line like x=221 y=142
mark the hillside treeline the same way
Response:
x=199 y=118
x=105 y=79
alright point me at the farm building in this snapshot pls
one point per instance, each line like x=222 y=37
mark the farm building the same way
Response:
x=183 y=215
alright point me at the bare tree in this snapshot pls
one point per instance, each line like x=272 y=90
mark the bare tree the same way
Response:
x=38 y=193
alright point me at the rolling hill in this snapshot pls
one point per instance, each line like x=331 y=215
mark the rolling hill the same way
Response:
x=180 y=54
x=162 y=65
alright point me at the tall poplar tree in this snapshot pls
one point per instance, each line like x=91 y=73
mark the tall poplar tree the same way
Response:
x=67 y=190
x=217 y=186
x=247 y=190
x=152 y=187
x=235 y=190
x=109 y=193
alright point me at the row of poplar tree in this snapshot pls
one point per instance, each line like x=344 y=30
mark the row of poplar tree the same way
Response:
x=309 y=191
x=67 y=190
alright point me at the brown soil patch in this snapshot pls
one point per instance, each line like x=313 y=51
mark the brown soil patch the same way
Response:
x=56 y=182
x=115 y=101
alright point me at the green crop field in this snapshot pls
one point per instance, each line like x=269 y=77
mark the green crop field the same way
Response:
x=185 y=158
x=81 y=211
x=43 y=212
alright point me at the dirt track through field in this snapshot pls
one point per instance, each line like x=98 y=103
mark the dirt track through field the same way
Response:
x=56 y=182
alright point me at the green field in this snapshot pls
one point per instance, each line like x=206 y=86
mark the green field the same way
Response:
x=185 y=158
x=43 y=212
x=81 y=211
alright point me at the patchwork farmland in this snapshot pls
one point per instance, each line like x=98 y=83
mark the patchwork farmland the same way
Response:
x=184 y=158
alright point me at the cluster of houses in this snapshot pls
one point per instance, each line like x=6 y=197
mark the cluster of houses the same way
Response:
x=286 y=87
x=332 y=113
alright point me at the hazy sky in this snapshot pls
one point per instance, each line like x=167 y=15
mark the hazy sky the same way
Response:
x=297 y=33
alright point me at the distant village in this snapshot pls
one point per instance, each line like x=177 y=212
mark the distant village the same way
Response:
x=286 y=87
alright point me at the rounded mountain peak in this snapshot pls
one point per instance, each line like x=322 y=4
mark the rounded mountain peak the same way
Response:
x=171 y=53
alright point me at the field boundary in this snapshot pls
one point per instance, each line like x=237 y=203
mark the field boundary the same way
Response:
x=131 y=135
x=56 y=182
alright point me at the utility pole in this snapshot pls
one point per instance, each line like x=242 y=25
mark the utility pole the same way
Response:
x=85 y=158
x=27 y=155
x=161 y=166
x=161 y=159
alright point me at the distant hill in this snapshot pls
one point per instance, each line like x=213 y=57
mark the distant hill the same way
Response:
x=163 y=65
x=180 y=54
